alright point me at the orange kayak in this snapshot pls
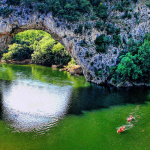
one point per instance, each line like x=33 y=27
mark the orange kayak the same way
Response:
x=130 y=118
x=121 y=129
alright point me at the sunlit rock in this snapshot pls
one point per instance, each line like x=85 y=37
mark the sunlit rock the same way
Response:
x=16 y=23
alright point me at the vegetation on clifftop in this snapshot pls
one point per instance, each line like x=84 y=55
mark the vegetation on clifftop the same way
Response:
x=71 y=10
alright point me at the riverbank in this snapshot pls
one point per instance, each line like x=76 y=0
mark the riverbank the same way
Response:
x=73 y=70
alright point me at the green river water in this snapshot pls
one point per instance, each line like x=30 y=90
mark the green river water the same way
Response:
x=44 y=109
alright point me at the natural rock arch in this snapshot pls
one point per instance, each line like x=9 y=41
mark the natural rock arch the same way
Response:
x=16 y=23
x=9 y=27
x=8 y=31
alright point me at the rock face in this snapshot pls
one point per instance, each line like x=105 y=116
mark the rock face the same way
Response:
x=75 y=70
x=16 y=23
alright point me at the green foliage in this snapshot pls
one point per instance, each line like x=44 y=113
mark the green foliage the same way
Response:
x=66 y=9
x=5 y=11
x=122 y=5
x=119 y=7
x=116 y=40
x=71 y=63
x=88 y=26
x=101 y=43
x=135 y=1
x=136 y=15
x=79 y=29
x=38 y=46
x=83 y=42
x=17 y=52
x=48 y=51
x=133 y=46
x=13 y=2
x=99 y=25
x=94 y=2
x=148 y=4
x=102 y=11
x=144 y=59
x=135 y=64
x=110 y=29
x=98 y=72
x=93 y=17
x=128 y=68
x=87 y=54
x=125 y=3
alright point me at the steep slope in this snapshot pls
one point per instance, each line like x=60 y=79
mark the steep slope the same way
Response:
x=125 y=20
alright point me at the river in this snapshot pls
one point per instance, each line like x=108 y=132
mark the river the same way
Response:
x=44 y=109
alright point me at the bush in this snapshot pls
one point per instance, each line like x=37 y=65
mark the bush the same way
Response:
x=148 y=5
x=93 y=17
x=5 y=11
x=17 y=52
x=13 y=2
x=83 y=43
x=127 y=68
x=99 y=26
x=102 y=11
x=71 y=63
x=111 y=29
x=87 y=54
x=119 y=7
x=123 y=5
x=101 y=43
x=79 y=29
x=116 y=40
x=88 y=26
x=98 y=72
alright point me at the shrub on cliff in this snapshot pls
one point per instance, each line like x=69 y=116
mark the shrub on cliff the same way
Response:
x=71 y=10
x=13 y=2
x=102 y=11
x=99 y=25
x=101 y=43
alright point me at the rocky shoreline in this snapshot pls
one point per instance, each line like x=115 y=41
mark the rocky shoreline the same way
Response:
x=78 y=71
x=74 y=70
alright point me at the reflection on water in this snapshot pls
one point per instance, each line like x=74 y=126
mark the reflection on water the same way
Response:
x=33 y=106
x=96 y=97
x=34 y=98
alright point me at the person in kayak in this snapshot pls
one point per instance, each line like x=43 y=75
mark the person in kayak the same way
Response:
x=121 y=129
x=130 y=118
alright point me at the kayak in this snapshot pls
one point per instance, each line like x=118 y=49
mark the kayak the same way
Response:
x=130 y=118
x=121 y=129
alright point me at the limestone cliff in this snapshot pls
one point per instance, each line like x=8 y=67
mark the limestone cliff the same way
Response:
x=22 y=19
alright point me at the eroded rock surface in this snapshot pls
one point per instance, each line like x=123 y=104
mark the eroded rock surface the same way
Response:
x=16 y=23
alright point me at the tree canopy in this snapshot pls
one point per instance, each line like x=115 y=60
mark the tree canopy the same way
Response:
x=38 y=46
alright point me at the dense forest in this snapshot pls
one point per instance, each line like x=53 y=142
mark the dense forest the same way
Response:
x=38 y=46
